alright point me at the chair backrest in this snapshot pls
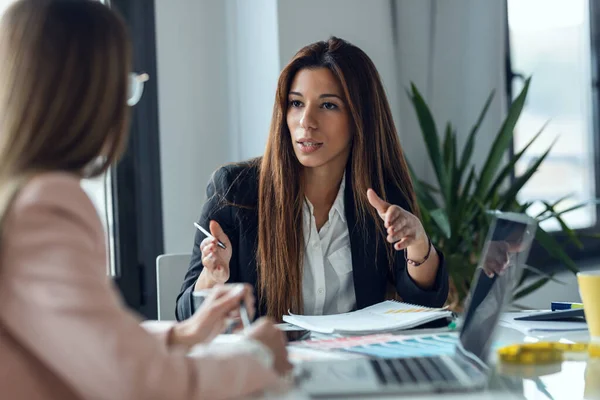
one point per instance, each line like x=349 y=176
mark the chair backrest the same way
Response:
x=170 y=271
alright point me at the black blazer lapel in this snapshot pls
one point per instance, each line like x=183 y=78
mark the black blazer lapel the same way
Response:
x=369 y=279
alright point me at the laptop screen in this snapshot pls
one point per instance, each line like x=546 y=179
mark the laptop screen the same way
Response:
x=504 y=254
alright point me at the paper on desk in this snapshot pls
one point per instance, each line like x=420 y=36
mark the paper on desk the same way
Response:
x=526 y=327
x=387 y=316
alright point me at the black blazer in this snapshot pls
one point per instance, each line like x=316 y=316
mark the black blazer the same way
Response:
x=238 y=185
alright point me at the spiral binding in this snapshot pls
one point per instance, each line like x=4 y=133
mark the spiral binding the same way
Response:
x=419 y=306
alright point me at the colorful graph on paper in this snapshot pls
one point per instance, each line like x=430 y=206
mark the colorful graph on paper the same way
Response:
x=390 y=346
x=387 y=345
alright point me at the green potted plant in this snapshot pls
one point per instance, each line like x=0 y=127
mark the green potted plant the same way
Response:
x=454 y=210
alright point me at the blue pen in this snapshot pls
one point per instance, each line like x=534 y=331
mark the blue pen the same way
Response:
x=564 y=305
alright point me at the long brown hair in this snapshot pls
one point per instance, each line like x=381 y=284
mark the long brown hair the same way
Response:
x=64 y=69
x=376 y=161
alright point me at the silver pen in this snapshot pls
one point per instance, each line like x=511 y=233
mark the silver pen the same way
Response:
x=207 y=233
x=244 y=315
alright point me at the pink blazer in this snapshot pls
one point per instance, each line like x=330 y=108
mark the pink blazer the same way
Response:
x=64 y=333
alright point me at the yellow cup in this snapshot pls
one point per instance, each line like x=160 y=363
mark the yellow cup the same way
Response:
x=589 y=289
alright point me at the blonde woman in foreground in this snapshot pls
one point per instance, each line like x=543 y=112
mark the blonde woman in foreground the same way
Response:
x=64 y=334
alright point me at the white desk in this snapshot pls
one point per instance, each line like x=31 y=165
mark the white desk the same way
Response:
x=569 y=380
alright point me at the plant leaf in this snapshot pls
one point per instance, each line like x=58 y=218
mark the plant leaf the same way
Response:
x=430 y=188
x=525 y=273
x=590 y=235
x=560 y=200
x=501 y=142
x=454 y=177
x=549 y=243
x=463 y=200
x=544 y=274
x=426 y=219
x=430 y=136
x=565 y=228
x=530 y=288
x=441 y=219
x=557 y=202
x=567 y=210
x=511 y=195
x=470 y=143
x=509 y=167
x=523 y=207
x=424 y=198
x=447 y=148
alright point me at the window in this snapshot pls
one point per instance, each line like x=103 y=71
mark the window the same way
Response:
x=550 y=40
x=100 y=192
x=136 y=183
x=4 y=5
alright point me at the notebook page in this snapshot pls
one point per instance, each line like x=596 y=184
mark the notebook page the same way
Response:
x=385 y=316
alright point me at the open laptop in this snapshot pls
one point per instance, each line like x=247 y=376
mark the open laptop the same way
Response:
x=505 y=250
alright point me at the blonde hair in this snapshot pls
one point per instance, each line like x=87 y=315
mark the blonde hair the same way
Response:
x=64 y=68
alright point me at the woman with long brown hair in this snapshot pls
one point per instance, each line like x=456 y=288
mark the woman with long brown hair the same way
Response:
x=64 y=334
x=327 y=218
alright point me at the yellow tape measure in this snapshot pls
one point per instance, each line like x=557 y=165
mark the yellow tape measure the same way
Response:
x=543 y=352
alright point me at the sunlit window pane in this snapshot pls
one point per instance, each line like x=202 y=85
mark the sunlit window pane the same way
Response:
x=99 y=191
x=550 y=41
x=4 y=5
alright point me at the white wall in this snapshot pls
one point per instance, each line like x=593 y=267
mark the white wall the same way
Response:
x=253 y=65
x=193 y=109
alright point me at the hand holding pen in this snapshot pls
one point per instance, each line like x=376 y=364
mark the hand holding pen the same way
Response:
x=212 y=261
x=220 y=306
x=216 y=255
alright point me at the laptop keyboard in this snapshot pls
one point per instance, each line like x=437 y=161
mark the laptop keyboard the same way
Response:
x=412 y=370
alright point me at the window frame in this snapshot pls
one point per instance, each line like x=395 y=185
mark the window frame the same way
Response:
x=591 y=245
x=136 y=183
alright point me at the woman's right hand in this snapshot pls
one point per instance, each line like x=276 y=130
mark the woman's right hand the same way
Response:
x=496 y=259
x=219 y=307
x=264 y=331
x=215 y=259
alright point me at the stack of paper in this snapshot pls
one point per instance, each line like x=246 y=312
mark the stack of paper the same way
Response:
x=387 y=316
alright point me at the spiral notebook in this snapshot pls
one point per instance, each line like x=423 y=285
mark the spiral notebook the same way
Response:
x=387 y=316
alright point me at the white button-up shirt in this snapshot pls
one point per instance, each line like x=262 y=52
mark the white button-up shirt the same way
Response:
x=328 y=283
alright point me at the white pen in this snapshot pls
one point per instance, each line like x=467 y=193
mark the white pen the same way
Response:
x=207 y=233
x=243 y=309
x=244 y=315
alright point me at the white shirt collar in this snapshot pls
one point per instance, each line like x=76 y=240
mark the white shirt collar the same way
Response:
x=338 y=204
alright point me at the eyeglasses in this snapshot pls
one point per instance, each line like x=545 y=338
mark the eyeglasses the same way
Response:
x=136 y=87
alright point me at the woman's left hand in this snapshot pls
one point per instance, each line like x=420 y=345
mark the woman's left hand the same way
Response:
x=403 y=228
